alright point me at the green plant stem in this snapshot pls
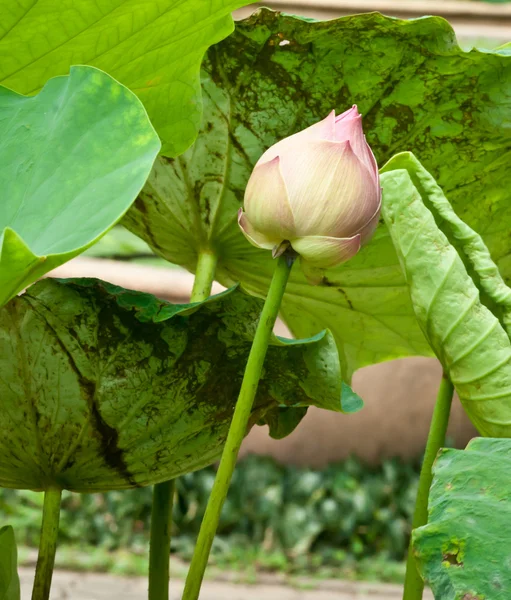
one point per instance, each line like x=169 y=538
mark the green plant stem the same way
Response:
x=159 y=545
x=237 y=428
x=414 y=585
x=204 y=276
x=47 y=545
x=163 y=493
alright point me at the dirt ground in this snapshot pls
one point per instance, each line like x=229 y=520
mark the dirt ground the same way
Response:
x=90 y=586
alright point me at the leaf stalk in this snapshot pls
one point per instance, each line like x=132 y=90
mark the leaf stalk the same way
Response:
x=159 y=545
x=204 y=276
x=47 y=545
x=414 y=584
x=163 y=493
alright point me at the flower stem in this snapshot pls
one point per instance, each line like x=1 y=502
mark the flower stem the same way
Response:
x=47 y=545
x=238 y=427
x=414 y=585
x=159 y=545
x=163 y=493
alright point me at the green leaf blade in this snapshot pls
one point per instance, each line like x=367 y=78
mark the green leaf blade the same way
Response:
x=103 y=388
x=276 y=75
x=154 y=48
x=72 y=160
x=467 y=337
x=462 y=551
x=9 y=580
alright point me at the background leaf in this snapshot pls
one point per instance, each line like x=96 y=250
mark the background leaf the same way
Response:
x=104 y=388
x=463 y=551
x=154 y=48
x=364 y=513
x=468 y=338
x=9 y=580
x=278 y=74
x=72 y=160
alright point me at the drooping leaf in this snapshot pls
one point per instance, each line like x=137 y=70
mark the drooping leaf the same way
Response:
x=72 y=160
x=154 y=48
x=278 y=74
x=105 y=388
x=9 y=580
x=466 y=335
x=463 y=552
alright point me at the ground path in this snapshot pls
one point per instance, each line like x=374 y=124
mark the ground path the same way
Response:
x=95 y=586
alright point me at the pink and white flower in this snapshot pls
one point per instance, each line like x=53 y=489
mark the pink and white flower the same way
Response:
x=318 y=190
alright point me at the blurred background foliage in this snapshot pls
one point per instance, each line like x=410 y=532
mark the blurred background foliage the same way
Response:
x=121 y=244
x=349 y=519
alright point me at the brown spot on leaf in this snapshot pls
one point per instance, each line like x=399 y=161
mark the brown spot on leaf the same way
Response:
x=453 y=559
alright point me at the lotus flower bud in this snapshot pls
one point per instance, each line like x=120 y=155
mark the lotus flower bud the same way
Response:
x=317 y=191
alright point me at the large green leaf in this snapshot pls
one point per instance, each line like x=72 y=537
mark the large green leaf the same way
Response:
x=455 y=314
x=9 y=580
x=104 y=388
x=154 y=48
x=72 y=160
x=278 y=74
x=463 y=552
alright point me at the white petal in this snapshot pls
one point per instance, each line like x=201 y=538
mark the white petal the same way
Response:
x=330 y=191
x=322 y=130
x=347 y=114
x=350 y=129
x=256 y=239
x=267 y=204
x=326 y=252
x=369 y=228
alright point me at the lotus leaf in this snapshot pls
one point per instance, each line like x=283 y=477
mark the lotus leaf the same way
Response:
x=278 y=74
x=464 y=318
x=105 y=388
x=154 y=48
x=72 y=160
x=463 y=552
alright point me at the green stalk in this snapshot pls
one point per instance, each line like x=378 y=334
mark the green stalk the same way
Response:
x=238 y=427
x=414 y=585
x=163 y=493
x=159 y=545
x=204 y=276
x=47 y=545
